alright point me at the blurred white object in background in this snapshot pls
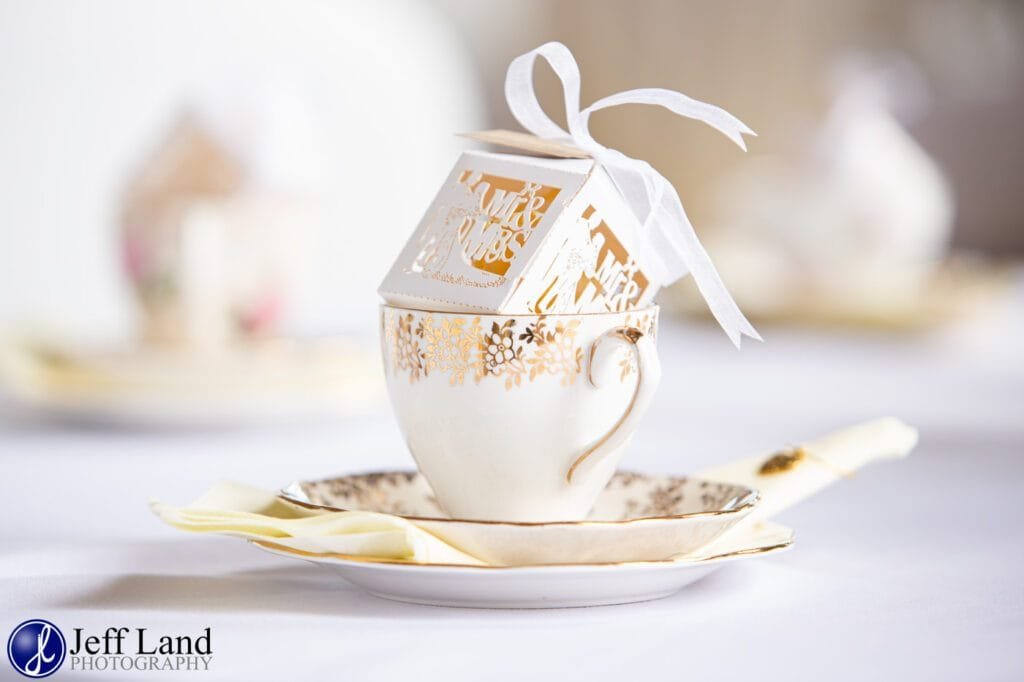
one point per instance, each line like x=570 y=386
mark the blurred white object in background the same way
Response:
x=212 y=236
x=856 y=216
x=891 y=207
x=271 y=124
x=89 y=87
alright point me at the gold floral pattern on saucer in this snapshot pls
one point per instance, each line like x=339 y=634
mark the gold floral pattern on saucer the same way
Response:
x=629 y=496
x=637 y=517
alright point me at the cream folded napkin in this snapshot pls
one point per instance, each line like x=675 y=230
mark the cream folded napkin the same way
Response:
x=793 y=474
x=783 y=478
x=242 y=511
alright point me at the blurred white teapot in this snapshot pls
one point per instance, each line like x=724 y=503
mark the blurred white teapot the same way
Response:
x=859 y=212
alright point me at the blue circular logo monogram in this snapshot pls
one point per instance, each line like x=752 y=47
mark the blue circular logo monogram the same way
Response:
x=36 y=648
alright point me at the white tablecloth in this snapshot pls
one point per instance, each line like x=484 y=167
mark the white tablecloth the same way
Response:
x=911 y=570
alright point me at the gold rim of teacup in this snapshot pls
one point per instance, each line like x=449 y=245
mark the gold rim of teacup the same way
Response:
x=749 y=500
x=266 y=544
x=464 y=313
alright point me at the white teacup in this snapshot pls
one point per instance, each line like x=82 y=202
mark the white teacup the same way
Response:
x=518 y=417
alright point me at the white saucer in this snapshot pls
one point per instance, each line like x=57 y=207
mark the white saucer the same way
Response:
x=275 y=380
x=549 y=586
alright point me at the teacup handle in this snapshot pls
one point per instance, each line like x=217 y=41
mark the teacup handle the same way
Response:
x=648 y=370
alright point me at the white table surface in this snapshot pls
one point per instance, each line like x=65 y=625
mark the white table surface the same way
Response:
x=911 y=570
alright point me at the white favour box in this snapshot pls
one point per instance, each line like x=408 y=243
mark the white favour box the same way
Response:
x=520 y=234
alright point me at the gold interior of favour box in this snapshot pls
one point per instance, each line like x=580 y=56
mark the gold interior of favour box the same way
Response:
x=610 y=279
x=509 y=210
x=488 y=228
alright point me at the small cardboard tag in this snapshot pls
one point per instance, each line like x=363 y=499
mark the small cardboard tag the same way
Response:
x=527 y=143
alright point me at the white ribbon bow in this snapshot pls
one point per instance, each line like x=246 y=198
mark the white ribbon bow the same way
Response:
x=669 y=248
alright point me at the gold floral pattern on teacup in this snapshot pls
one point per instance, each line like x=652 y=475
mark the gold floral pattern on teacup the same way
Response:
x=418 y=344
x=450 y=345
x=406 y=348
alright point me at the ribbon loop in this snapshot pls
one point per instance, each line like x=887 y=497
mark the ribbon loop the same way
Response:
x=669 y=247
x=522 y=99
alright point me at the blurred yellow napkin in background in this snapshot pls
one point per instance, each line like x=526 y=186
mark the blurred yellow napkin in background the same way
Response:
x=242 y=511
x=340 y=371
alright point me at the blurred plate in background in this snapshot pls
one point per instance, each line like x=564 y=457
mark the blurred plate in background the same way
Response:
x=270 y=381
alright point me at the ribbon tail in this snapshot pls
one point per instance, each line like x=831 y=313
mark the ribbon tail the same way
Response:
x=673 y=227
x=676 y=102
x=669 y=247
